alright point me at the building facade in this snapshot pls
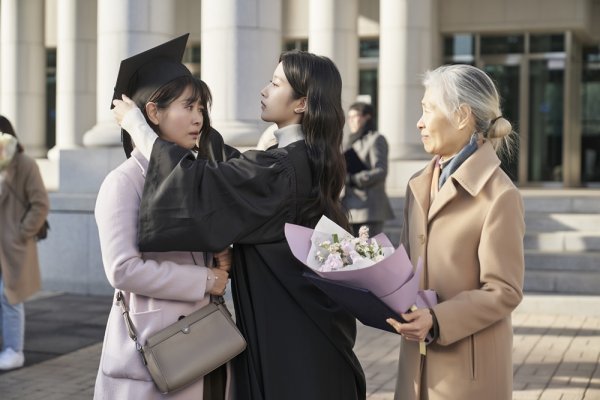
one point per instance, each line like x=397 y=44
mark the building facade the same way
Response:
x=60 y=60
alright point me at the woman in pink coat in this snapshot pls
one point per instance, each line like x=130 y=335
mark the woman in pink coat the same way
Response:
x=464 y=217
x=158 y=287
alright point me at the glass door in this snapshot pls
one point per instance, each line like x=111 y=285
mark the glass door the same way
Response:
x=546 y=94
x=590 y=118
x=508 y=82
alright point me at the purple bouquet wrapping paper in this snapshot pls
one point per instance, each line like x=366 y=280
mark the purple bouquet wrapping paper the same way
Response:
x=393 y=280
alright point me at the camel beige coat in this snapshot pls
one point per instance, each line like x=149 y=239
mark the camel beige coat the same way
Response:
x=18 y=246
x=471 y=241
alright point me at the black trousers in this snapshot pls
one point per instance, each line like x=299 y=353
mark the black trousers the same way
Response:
x=214 y=384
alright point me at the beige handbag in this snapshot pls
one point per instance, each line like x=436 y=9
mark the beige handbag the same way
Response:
x=192 y=347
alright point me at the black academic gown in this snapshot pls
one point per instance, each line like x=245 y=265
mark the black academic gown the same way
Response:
x=299 y=342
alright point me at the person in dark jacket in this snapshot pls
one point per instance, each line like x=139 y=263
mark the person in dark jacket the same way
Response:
x=367 y=167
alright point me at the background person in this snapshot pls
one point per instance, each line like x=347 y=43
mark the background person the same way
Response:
x=364 y=195
x=23 y=209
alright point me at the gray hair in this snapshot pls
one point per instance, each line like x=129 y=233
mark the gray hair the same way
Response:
x=461 y=84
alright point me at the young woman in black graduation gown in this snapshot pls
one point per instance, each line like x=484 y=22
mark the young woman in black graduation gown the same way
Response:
x=299 y=342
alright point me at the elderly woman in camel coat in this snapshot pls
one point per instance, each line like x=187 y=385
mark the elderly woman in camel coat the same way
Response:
x=464 y=217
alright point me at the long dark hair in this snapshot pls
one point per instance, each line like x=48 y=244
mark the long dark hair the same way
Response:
x=169 y=92
x=6 y=127
x=318 y=79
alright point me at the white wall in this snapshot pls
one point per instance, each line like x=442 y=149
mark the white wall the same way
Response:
x=50 y=22
x=295 y=18
x=187 y=19
x=368 y=18
x=506 y=15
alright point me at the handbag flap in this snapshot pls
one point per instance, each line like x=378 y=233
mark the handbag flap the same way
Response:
x=183 y=323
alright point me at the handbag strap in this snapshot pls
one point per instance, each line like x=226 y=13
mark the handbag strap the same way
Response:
x=129 y=325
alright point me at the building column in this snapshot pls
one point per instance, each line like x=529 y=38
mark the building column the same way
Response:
x=75 y=73
x=408 y=46
x=23 y=71
x=125 y=28
x=333 y=32
x=234 y=67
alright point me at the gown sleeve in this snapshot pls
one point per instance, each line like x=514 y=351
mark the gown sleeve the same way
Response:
x=126 y=268
x=193 y=204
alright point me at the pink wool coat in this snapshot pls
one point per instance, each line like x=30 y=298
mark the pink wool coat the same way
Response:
x=471 y=241
x=158 y=288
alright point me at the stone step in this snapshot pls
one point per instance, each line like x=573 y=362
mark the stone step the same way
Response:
x=564 y=201
x=565 y=282
x=562 y=261
x=550 y=222
x=562 y=272
x=569 y=241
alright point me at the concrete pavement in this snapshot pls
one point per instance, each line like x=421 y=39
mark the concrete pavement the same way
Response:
x=555 y=356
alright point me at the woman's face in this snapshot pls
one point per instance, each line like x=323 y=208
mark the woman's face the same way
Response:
x=181 y=121
x=356 y=120
x=278 y=104
x=438 y=134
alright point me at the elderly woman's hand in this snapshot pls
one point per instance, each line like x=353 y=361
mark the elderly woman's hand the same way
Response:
x=122 y=107
x=417 y=326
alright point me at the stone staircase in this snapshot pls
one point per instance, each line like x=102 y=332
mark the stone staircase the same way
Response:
x=562 y=240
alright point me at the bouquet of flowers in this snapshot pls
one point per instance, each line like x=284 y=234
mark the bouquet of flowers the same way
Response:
x=363 y=262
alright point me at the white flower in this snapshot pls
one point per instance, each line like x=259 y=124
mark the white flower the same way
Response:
x=333 y=262
x=363 y=232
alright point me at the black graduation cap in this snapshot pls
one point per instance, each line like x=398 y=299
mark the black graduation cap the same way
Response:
x=140 y=75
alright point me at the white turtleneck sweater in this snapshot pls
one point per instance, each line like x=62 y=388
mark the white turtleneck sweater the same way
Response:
x=288 y=135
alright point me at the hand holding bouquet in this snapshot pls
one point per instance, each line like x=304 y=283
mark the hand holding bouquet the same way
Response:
x=348 y=267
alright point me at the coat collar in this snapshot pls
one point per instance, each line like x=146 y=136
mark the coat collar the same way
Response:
x=420 y=185
x=472 y=175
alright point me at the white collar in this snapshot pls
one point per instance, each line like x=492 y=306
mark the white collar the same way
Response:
x=288 y=135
